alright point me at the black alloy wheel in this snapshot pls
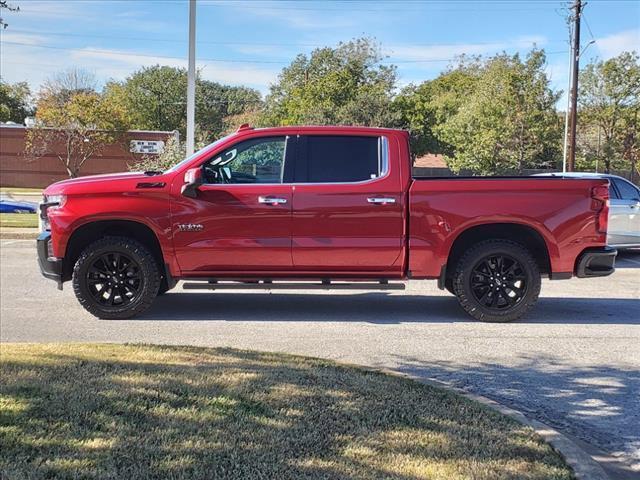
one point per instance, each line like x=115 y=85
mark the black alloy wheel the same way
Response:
x=497 y=281
x=116 y=278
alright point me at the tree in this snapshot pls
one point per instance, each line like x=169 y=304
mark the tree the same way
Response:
x=422 y=107
x=215 y=103
x=76 y=130
x=507 y=121
x=15 y=102
x=5 y=4
x=609 y=103
x=342 y=85
x=156 y=99
x=63 y=85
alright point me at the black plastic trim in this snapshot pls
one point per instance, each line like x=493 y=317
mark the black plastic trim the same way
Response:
x=596 y=262
x=560 y=275
x=171 y=281
x=50 y=268
x=442 y=277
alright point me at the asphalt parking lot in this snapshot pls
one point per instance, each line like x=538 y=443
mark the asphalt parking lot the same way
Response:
x=573 y=362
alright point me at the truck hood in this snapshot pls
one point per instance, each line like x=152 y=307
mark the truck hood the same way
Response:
x=113 y=182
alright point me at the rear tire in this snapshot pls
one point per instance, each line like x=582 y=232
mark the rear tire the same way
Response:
x=497 y=281
x=116 y=278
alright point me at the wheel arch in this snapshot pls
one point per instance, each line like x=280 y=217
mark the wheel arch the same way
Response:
x=91 y=231
x=525 y=235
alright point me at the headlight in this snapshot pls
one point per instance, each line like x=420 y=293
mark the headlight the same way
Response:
x=59 y=199
x=50 y=202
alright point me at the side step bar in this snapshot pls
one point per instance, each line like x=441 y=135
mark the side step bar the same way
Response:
x=325 y=285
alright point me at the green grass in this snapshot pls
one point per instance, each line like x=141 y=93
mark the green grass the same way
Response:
x=136 y=411
x=21 y=190
x=25 y=220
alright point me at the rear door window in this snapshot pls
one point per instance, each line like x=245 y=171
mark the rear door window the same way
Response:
x=339 y=159
x=627 y=191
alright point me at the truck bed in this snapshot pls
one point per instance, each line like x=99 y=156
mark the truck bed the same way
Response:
x=557 y=209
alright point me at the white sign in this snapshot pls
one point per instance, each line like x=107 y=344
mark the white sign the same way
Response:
x=147 y=146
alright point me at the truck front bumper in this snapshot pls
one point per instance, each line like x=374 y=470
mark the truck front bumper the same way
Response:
x=596 y=262
x=50 y=267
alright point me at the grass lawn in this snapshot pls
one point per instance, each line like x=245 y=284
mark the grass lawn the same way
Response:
x=141 y=412
x=21 y=190
x=19 y=220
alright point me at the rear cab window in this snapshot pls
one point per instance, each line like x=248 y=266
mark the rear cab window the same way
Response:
x=341 y=159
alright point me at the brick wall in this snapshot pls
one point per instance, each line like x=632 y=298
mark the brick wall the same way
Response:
x=20 y=170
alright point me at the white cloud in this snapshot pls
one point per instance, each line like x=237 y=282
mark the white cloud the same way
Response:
x=613 y=45
x=118 y=64
x=445 y=52
x=295 y=16
x=27 y=38
x=46 y=9
x=86 y=12
x=33 y=64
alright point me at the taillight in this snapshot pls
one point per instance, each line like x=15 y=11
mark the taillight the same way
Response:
x=600 y=204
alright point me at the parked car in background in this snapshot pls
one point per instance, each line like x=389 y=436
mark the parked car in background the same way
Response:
x=9 y=205
x=624 y=209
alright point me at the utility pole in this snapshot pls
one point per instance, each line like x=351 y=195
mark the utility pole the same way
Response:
x=191 y=79
x=573 y=113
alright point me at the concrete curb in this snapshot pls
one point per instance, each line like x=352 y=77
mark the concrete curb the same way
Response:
x=584 y=467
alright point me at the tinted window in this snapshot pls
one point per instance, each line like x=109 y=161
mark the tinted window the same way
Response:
x=333 y=159
x=613 y=191
x=260 y=160
x=627 y=191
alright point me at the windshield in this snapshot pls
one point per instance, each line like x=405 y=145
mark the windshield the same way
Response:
x=191 y=157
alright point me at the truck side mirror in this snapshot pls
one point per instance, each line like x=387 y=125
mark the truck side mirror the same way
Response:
x=192 y=180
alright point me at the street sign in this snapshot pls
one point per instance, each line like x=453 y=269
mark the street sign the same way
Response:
x=147 y=146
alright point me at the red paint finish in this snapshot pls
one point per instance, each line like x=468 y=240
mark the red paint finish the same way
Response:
x=441 y=210
x=330 y=230
x=238 y=234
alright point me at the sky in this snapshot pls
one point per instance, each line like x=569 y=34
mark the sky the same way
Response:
x=248 y=42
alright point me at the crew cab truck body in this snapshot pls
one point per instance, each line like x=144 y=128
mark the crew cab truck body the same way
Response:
x=335 y=207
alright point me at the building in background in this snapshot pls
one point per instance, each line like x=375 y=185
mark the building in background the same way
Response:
x=19 y=169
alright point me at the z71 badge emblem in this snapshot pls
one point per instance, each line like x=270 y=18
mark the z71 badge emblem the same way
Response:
x=190 y=227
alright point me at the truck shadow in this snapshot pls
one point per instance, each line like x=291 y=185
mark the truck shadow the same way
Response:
x=628 y=258
x=375 y=308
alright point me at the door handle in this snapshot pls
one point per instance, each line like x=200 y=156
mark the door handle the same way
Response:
x=381 y=200
x=269 y=200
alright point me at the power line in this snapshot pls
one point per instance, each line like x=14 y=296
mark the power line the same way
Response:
x=588 y=27
x=283 y=44
x=146 y=55
x=219 y=60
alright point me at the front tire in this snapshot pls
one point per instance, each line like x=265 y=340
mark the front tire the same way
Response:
x=497 y=281
x=116 y=278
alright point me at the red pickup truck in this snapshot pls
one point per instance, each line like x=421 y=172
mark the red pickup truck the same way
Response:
x=319 y=207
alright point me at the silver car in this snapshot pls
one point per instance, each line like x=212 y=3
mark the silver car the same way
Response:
x=624 y=209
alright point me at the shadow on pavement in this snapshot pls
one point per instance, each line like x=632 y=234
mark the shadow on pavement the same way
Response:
x=376 y=308
x=596 y=404
x=629 y=258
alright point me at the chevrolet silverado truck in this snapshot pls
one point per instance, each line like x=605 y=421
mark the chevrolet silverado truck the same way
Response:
x=319 y=207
